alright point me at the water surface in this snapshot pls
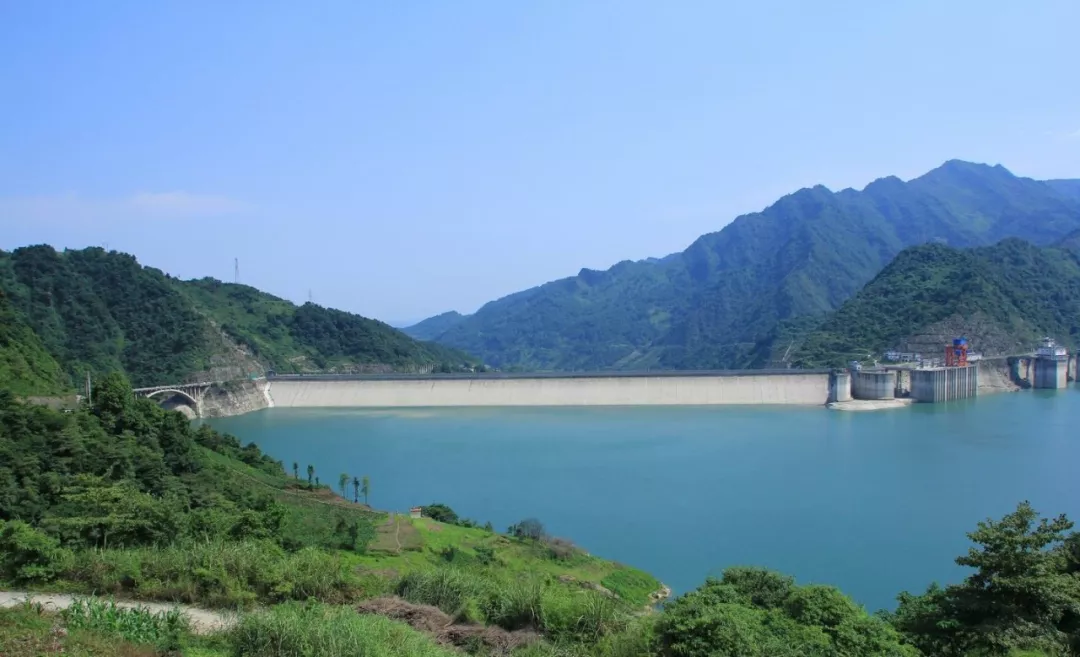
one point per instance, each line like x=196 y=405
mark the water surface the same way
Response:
x=872 y=502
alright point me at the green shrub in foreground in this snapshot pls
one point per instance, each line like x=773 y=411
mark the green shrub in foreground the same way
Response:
x=449 y=589
x=216 y=574
x=755 y=613
x=29 y=555
x=165 y=630
x=559 y=612
x=315 y=630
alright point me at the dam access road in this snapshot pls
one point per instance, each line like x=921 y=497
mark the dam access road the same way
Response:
x=801 y=387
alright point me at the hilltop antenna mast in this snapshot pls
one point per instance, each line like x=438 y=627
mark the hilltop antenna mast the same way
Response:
x=309 y=296
x=236 y=270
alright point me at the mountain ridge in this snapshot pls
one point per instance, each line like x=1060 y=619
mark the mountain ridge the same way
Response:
x=712 y=304
x=95 y=311
x=1003 y=298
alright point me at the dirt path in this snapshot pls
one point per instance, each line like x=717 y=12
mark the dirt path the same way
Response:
x=203 y=621
x=397 y=532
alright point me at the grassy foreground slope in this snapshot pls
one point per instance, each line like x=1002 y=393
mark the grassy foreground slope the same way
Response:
x=1004 y=298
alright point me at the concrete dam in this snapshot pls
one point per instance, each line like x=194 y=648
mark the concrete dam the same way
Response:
x=792 y=387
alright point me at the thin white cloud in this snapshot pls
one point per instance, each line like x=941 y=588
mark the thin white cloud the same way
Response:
x=71 y=208
x=1074 y=135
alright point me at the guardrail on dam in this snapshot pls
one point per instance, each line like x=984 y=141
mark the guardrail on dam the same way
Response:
x=802 y=387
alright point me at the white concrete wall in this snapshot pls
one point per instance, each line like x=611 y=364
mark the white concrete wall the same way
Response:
x=805 y=389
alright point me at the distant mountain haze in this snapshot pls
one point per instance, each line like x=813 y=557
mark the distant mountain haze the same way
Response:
x=732 y=297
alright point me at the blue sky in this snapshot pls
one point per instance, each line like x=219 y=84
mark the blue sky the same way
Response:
x=399 y=159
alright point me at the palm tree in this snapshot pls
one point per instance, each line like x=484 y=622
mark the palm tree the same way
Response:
x=356 y=490
x=310 y=474
x=296 y=470
x=343 y=483
x=365 y=487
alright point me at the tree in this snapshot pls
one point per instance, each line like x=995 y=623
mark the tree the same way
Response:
x=296 y=470
x=310 y=474
x=356 y=490
x=365 y=488
x=1020 y=597
x=754 y=612
x=529 y=528
x=440 y=513
x=27 y=554
x=343 y=484
x=317 y=484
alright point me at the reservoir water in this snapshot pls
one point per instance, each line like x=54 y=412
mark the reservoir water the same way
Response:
x=872 y=502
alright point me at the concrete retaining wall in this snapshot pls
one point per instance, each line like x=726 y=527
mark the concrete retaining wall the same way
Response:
x=873 y=385
x=803 y=389
x=945 y=383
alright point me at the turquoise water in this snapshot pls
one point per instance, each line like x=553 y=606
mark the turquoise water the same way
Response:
x=873 y=502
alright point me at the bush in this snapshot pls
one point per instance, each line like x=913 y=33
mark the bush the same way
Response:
x=449 y=589
x=440 y=513
x=28 y=555
x=315 y=630
x=165 y=630
x=514 y=605
x=752 y=612
x=216 y=574
x=561 y=549
x=530 y=529
x=580 y=616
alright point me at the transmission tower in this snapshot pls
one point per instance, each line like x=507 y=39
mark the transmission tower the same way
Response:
x=236 y=270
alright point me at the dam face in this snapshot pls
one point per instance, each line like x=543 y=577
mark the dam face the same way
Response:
x=802 y=388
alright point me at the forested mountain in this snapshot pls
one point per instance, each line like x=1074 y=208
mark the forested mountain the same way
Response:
x=1004 y=298
x=290 y=338
x=433 y=327
x=720 y=303
x=26 y=367
x=99 y=311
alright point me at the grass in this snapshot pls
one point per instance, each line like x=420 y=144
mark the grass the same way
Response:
x=316 y=630
x=502 y=556
x=166 y=630
x=312 y=517
x=215 y=574
x=559 y=612
x=97 y=629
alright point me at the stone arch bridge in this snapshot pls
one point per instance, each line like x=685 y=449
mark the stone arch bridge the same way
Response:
x=192 y=392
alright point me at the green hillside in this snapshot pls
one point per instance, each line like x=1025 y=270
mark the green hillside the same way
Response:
x=1004 y=298
x=290 y=338
x=719 y=302
x=26 y=367
x=97 y=311
x=433 y=327
x=122 y=498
